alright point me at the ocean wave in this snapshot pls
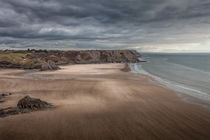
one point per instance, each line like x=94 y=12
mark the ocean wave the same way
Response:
x=137 y=68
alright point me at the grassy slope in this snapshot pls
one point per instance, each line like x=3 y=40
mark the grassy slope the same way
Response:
x=18 y=60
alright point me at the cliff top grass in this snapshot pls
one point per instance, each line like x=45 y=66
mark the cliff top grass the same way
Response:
x=18 y=60
x=12 y=57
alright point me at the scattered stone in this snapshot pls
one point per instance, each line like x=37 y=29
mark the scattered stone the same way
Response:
x=3 y=95
x=28 y=104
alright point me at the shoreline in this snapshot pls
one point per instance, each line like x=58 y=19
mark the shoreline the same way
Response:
x=187 y=93
x=99 y=101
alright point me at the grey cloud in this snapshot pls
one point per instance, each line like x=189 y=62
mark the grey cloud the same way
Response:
x=114 y=23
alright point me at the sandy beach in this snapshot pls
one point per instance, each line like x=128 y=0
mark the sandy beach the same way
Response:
x=99 y=102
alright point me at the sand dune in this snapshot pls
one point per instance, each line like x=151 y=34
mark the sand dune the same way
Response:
x=99 y=101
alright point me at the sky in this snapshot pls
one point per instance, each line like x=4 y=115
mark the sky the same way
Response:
x=144 y=25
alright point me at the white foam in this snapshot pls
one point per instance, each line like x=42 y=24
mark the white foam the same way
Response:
x=137 y=68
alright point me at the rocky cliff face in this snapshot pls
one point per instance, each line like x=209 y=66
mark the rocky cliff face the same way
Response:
x=90 y=56
x=31 y=59
x=49 y=65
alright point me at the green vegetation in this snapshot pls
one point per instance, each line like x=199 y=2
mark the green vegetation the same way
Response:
x=18 y=60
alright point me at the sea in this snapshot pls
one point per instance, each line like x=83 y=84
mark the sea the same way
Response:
x=185 y=73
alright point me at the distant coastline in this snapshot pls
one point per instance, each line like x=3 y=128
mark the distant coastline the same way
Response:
x=50 y=59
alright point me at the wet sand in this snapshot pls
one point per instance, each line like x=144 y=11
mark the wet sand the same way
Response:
x=99 y=102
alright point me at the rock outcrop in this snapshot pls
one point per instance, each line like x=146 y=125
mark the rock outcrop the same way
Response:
x=49 y=65
x=25 y=105
x=28 y=104
x=126 y=68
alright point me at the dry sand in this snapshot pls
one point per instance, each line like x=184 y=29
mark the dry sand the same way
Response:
x=99 y=102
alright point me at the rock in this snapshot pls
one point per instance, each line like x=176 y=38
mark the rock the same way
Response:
x=49 y=65
x=126 y=68
x=3 y=95
x=28 y=104
x=25 y=105
x=9 y=111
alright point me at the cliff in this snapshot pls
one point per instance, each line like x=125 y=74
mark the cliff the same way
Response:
x=34 y=59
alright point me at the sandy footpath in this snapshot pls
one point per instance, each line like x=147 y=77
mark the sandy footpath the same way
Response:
x=99 y=102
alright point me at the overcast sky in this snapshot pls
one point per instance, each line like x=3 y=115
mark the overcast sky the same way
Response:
x=144 y=25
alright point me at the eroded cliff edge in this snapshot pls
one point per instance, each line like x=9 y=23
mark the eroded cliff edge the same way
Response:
x=34 y=59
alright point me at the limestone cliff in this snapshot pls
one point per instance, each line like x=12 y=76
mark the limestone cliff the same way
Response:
x=34 y=59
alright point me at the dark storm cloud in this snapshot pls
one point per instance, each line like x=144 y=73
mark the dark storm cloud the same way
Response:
x=102 y=23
